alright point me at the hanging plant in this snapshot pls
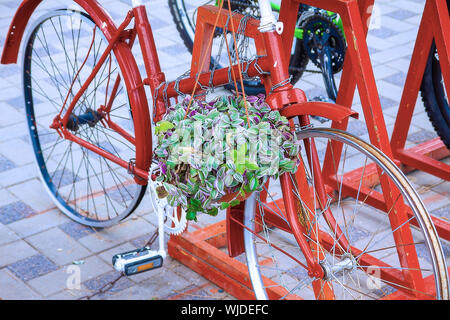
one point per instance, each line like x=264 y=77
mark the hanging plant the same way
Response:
x=215 y=155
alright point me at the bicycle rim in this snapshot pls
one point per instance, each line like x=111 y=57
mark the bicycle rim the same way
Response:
x=85 y=186
x=370 y=267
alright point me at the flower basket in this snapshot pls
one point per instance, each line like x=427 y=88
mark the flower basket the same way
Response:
x=213 y=155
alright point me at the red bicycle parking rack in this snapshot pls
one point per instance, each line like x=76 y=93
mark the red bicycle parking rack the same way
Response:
x=435 y=25
x=200 y=250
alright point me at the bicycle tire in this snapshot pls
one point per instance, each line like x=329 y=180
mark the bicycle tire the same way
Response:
x=434 y=98
x=291 y=278
x=85 y=186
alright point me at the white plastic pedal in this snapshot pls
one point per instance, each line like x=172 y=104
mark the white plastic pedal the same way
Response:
x=137 y=261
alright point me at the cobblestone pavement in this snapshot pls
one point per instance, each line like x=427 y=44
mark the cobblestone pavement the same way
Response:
x=38 y=244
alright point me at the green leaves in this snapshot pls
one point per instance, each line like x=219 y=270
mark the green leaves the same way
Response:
x=163 y=126
x=216 y=152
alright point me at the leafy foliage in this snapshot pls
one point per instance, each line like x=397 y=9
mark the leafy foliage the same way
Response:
x=216 y=151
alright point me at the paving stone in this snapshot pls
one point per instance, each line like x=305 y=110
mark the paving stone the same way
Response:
x=17 y=151
x=397 y=79
x=18 y=175
x=104 y=281
x=6 y=197
x=63 y=278
x=401 y=14
x=155 y=288
x=12 y=288
x=33 y=194
x=14 y=212
x=443 y=212
x=38 y=223
x=32 y=267
x=105 y=239
x=382 y=32
x=76 y=230
x=15 y=251
x=7 y=235
x=58 y=246
x=421 y=136
x=6 y=164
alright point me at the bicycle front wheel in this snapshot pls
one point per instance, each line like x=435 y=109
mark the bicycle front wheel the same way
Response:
x=62 y=49
x=365 y=247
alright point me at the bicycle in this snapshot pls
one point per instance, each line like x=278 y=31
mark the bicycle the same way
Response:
x=318 y=38
x=90 y=128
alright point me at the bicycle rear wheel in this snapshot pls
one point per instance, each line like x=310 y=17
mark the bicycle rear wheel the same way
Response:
x=61 y=51
x=435 y=96
x=362 y=254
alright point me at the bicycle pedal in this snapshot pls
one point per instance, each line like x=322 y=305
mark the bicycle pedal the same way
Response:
x=137 y=261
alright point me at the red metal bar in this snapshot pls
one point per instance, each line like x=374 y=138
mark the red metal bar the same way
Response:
x=134 y=170
x=96 y=68
x=435 y=24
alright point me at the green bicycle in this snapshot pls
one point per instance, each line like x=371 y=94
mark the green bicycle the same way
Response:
x=319 y=38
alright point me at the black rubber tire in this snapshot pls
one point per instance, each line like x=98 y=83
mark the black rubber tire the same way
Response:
x=433 y=97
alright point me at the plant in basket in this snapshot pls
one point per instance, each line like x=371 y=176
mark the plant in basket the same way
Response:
x=212 y=155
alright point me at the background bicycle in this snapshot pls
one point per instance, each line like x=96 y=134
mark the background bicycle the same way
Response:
x=319 y=38
x=102 y=245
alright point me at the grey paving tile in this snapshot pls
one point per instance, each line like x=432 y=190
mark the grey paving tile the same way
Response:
x=421 y=136
x=33 y=194
x=382 y=32
x=401 y=14
x=6 y=164
x=65 y=278
x=37 y=223
x=105 y=239
x=12 y=288
x=14 y=212
x=165 y=284
x=397 y=79
x=58 y=246
x=76 y=230
x=32 y=267
x=104 y=281
x=387 y=103
x=7 y=235
x=443 y=212
x=15 y=251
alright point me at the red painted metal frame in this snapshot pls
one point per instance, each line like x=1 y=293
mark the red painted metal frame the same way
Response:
x=131 y=77
x=357 y=72
x=435 y=24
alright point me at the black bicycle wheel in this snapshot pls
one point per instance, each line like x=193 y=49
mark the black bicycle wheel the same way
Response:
x=435 y=97
x=86 y=187
x=184 y=16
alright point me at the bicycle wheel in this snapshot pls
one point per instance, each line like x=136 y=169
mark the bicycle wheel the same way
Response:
x=184 y=14
x=61 y=51
x=362 y=254
x=434 y=97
